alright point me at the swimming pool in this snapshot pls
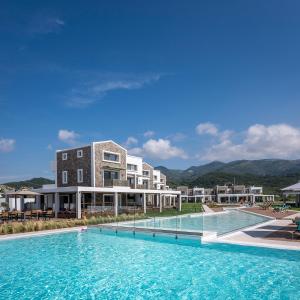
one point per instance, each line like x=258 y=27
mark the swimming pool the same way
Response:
x=221 y=223
x=94 y=265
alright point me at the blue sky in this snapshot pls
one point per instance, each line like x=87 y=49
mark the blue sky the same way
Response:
x=179 y=82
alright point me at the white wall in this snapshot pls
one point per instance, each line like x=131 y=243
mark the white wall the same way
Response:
x=136 y=160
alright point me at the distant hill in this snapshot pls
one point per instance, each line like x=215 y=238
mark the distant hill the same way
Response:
x=31 y=183
x=272 y=174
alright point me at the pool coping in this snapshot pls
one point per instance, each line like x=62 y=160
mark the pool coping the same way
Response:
x=12 y=236
x=204 y=235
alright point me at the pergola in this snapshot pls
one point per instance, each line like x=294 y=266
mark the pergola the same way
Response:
x=20 y=195
x=79 y=191
x=293 y=190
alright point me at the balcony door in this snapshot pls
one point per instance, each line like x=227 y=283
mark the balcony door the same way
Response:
x=109 y=176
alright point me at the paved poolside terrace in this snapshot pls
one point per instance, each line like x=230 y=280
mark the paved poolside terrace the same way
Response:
x=260 y=235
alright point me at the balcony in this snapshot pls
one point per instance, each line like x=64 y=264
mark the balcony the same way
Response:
x=115 y=182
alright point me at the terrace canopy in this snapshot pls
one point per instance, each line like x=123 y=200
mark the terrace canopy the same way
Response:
x=293 y=190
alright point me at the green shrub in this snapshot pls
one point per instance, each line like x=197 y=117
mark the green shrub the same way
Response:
x=38 y=225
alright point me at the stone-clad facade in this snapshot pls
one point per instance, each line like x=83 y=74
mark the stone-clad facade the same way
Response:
x=147 y=167
x=101 y=165
x=72 y=164
x=94 y=165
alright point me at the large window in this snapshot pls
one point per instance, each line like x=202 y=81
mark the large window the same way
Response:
x=64 y=156
x=65 y=177
x=131 y=167
x=79 y=175
x=109 y=156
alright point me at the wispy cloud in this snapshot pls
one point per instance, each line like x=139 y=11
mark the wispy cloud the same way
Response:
x=7 y=145
x=207 y=128
x=68 y=136
x=130 y=141
x=91 y=91
x=149 y=133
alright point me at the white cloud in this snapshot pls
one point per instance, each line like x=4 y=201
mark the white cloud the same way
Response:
x=131 y=141
x=158 y=149
x=258 y=142
x=68 y=136
x=7 y=145
x=207 y=128
x=91 y=92
x=149 y=133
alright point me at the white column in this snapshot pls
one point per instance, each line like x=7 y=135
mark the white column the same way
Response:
x=78 y=205
x=179 y=203
x=116 y=202
x=56 y=204
x=160 y=202
x=93 y=201
x=144 y=203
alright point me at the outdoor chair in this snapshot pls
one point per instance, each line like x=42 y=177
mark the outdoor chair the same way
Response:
x=48 y=214
x=4 y=216
x=27 y=215
x=13 y=215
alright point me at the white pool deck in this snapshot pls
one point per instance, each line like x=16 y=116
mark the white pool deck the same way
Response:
x=256 y=235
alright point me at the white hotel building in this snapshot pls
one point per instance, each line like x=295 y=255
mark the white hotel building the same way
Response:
x=101 y=177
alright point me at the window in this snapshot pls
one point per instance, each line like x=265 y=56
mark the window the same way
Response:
x=65 y=177
x=64 y=156
x=79 y=175
x=79 y=153
x=109 y=156
x=155 y=177
x=111 y=175
x=131 y=167
x=145 y=173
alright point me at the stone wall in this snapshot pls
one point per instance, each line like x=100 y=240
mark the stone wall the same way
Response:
x=72 y=164
x=101 y=165
x=149 y=168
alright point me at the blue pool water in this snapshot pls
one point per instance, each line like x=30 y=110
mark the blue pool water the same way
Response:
x=94 y=265
x=221 y=223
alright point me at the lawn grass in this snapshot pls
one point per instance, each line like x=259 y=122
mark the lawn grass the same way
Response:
x=295 y=208
x=186 y=208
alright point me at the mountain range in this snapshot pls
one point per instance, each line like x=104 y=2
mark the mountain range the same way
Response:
x=272 y=174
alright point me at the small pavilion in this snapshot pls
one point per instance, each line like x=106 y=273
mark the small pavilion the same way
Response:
x=17 y=200
x=293 y=190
